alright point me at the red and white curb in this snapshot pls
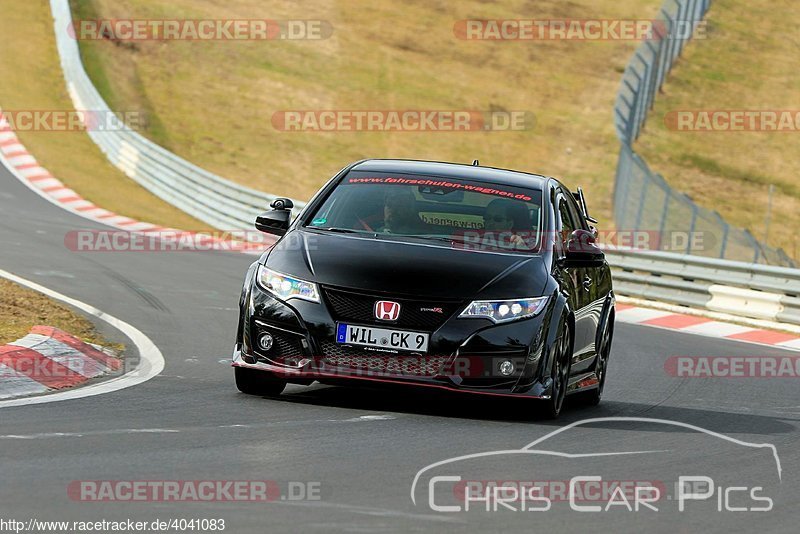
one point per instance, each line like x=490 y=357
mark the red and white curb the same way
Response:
x=49 y=359
x=149 y=365
x=705 y=326
x=25 y=167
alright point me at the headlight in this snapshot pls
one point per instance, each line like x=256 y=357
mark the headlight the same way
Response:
x=286 y=287
x=501 y=311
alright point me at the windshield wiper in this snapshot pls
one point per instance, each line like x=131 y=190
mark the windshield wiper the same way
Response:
x=337 y=229
x=460 y=239
x=448 y=239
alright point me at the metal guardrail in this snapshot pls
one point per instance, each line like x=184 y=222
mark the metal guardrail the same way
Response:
x=206 y=196
x=643 y=200
x=737 y=288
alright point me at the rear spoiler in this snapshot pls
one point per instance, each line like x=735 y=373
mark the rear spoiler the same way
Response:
x=582 y=203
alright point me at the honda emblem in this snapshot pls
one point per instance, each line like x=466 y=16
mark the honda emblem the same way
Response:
x=386 y=310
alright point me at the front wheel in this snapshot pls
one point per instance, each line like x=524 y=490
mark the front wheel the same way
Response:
x=255 y=382
x=559 y=373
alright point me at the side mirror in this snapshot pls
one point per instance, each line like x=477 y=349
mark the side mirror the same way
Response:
x=582 y=248
x=276 y=221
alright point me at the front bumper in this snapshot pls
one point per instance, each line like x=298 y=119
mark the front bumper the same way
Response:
x=463 y=354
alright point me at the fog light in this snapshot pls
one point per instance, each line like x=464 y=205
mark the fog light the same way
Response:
x=265 y=341
x=506 y=367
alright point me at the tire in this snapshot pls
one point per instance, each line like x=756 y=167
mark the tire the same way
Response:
x=593 y=397
x=255 y=382
x=560 y=372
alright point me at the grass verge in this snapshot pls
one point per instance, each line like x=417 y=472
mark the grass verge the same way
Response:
x=21 y=308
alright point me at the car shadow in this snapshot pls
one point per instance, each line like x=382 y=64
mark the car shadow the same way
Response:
x=398 y=399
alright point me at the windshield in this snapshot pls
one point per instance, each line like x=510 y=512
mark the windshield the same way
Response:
x=473 y=215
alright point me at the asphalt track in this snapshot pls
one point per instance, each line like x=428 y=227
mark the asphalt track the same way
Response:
x=363 y=447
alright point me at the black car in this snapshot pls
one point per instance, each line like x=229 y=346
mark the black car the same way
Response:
x=461 y=277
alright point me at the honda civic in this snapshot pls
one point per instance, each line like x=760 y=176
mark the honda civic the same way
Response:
x=465 y=278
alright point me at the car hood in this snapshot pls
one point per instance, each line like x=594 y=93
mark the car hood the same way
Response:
x=412 y=268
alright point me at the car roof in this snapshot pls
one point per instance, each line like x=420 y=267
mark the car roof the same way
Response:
x=453 y=170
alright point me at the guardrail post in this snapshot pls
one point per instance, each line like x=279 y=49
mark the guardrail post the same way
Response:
x=663 y=224
x=653 y=72
x=697 y=13
x=754 y=244
x=726 y=229
x=642 y=197
x=691 y=11
x=623 y=181
x=631 y=108
x=664 y=49
x=691 y=230
x=673 y=39
x=642 y=97
x=622 y=123
x=637 y=98
x=682 y=10
x=785 y=257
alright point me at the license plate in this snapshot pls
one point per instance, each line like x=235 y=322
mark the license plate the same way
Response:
x=382 y=338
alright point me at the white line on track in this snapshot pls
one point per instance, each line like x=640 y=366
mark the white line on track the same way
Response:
x=48 y=435
x=113 y=431
x=373 y=511
x=151 y=361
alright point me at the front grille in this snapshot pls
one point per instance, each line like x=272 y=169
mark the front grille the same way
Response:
x=412 y=365
x=360 y=308
x=287 y=347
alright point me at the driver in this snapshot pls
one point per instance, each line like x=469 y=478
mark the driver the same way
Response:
x=400 y=213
